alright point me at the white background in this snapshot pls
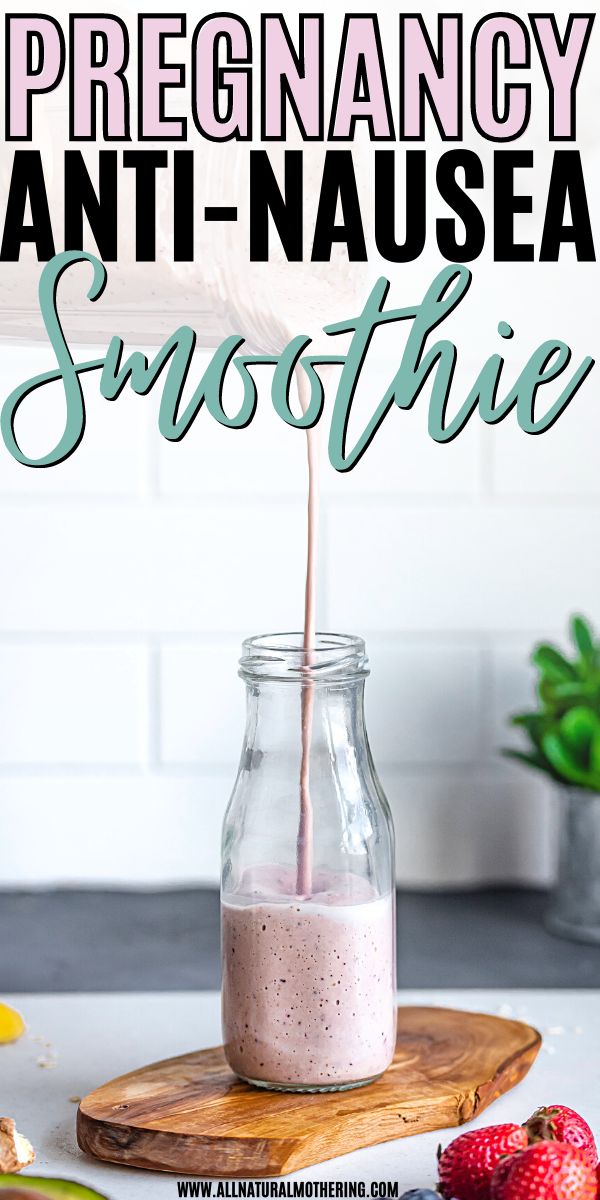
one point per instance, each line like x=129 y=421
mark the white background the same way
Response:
x=132 y=572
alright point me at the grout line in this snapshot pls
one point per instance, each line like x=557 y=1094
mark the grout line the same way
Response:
x=136 y=500
x=126 y=638
x=70 y=770
x=153 y=717
x=449 y=638
x=436 y=500
x=486 y=461
x=440 y=501
x=493 y=766
x=152 y=459
x=486 y=680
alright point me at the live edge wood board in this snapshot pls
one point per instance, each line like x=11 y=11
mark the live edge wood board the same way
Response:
x=191 y=1116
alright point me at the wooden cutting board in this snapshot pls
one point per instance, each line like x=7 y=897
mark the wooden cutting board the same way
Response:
x=190 y=1115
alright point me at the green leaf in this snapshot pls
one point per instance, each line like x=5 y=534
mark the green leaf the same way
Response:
x=571 y=691
x=546 y=690
x=551 y=663
x=531 y=759
x=594 y=759
x=578 y=728
x=535 y=725
x=583 y=637
x=527 y=720
x=563 y=761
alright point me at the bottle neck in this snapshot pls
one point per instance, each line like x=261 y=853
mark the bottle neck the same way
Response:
x=274 y=716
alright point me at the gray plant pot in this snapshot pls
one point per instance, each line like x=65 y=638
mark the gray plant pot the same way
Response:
x=575 y=907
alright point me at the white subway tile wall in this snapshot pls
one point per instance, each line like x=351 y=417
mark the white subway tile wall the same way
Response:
x=133 y=571
x=74 y=704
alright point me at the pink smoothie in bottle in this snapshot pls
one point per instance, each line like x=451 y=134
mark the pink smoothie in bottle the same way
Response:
x=308 y=984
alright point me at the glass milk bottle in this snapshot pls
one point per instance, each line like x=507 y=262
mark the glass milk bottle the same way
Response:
x=307 y=890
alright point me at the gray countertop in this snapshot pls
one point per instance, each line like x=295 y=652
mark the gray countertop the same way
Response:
x=107 y=941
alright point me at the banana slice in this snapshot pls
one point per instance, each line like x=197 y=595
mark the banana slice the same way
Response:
x=12 y=1024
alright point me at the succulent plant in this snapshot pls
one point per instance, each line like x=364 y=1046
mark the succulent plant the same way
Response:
x=564 y=731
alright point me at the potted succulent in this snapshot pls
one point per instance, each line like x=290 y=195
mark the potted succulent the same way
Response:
x=563 y=733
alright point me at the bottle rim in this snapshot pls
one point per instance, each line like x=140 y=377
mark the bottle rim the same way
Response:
x=282 y=657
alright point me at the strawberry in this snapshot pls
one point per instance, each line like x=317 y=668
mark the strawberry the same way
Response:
x=501 y=1172
x=545 y=1171
x=467 y=1164
x=558 y=1123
